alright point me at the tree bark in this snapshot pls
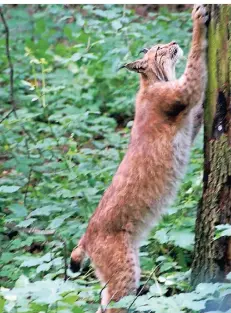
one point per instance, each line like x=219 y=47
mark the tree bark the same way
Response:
x=212 y=258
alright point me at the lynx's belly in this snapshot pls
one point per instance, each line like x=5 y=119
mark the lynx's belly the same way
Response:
x=180 y=157
x=181 y=151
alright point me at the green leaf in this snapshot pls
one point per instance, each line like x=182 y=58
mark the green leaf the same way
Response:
x=76 y=57
x=116 y=24
x=46 y=210
x=18 y=210
x=158 y=290
x=34 y=261
x=9 y=189
x=223 y=230
x=56 y=223
x=2 y=303
x=183 y=238
x=22 y=281
x=47 y=298
x=228 y=276
x=162 y=235
x=205 y=289
x=27 y=222
x=43 y=267
x=6 y=257
x=78 y=310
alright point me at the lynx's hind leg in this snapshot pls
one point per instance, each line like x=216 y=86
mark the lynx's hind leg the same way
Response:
x=117 y=268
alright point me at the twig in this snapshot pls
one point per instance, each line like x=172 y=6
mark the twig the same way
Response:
x=138 y=294
x=65 y=260
x=12 y=100
x=109 y=301
x=141 y=289
x=27 y=186
x=150 y=276
x=6 y=116
x=88 y=273
x=9 y=61
x=100 y=296
x=65 y=257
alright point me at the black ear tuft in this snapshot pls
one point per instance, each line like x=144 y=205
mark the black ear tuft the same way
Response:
x=138 y=66
x=145 y=50
x=123 y=66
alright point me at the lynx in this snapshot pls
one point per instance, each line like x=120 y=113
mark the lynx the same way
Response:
x=168 y=115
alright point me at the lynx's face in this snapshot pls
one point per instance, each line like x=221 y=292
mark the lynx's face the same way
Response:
x=162 y=59
x=158 y=62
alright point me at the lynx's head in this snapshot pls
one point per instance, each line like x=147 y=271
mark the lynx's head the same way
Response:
x=158 y=62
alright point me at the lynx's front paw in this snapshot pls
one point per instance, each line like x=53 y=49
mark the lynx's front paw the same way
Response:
x=199 y=14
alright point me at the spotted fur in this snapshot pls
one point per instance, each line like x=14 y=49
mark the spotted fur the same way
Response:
x=146 y=182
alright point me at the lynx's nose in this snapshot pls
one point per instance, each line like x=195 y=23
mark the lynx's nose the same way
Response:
x=172 y=43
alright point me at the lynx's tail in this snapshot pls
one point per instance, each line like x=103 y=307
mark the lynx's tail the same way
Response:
x=77 y=256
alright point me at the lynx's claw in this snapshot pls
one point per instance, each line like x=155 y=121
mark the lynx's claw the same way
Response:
x=199 y=13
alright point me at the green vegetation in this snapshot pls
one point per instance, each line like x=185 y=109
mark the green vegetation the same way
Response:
x=58 y=154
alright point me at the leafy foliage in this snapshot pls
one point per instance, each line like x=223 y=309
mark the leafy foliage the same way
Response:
x=61 y=149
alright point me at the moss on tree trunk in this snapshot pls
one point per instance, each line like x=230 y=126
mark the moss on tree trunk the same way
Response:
x=212 y=258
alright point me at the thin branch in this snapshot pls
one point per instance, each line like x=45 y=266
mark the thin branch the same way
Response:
x=148 y=279
x=88 y=273
x=64 y=256
x=141 y=289
x=12 y=99
x=137 y=295
x=9 y=60
x=7 y=115
x=65 y=260
x=27 y=186
x=100 y=296
x=111 y=298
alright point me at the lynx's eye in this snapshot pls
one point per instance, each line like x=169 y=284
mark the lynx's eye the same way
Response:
x=173 y=52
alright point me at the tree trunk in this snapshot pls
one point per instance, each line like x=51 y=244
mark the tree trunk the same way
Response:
x=212 y=258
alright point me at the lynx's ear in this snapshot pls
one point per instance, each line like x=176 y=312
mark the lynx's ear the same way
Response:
x=138 y=66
